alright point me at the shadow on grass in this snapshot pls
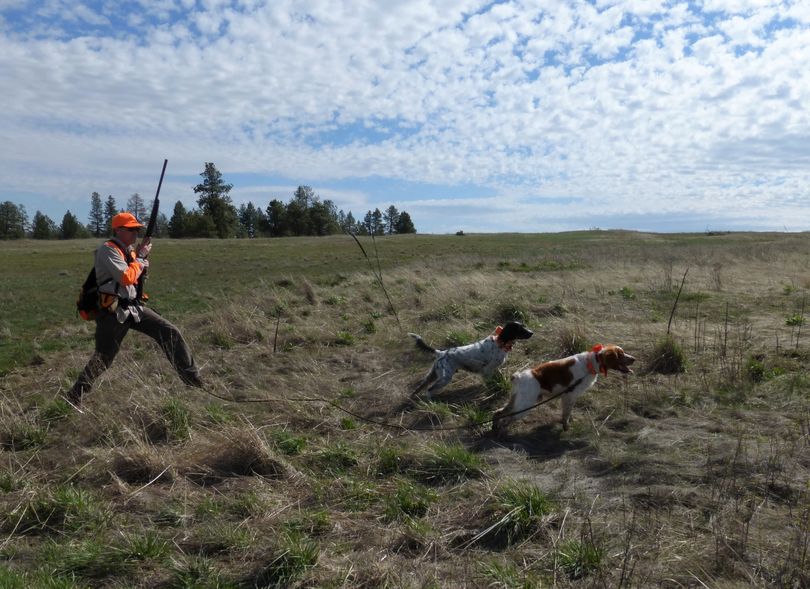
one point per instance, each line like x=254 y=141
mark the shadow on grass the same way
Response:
x=412 y=403
x=542 y=443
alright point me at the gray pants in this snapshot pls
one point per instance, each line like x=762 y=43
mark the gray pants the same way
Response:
x=109 y=335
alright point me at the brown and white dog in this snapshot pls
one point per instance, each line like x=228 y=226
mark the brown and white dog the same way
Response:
x=569 y=378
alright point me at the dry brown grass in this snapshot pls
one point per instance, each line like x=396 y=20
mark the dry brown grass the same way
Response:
x=690 y=479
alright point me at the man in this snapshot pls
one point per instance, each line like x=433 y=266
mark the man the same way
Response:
x=118 y=267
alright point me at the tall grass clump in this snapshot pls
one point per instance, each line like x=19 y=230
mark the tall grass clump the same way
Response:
x=668 y=357
x=335 y=459
x=198 y=572
x=66 y=508
x=517 y=508
x=450 y=464
x=41 y=579
x=509 y=576
x=393 y=460
x=288 y=443
x=454 y=339
x=498 y=385
x=579 y=558
x=177 y=419
x=571 y=340
x=511 y=311
x=18 y=434
x=293 y=557
x=89 y=559
x=411 y=500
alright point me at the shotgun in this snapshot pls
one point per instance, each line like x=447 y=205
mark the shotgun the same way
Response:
x=150 y=228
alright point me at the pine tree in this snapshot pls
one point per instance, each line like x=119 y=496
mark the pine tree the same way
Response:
x=215 y=203
x=96 y=217
x=42 y=227
x=248 y=220
x=322 y=217
x=298 y=211
x=390 y=218
x=13 y=220
x=377 y=223
x=276 y=215
x=178 y=222
x=368 y=224
x=70 y=227
x=349 y=224
x=404 y=224
x=198 y=224
x=136 y=206
x=110 y=210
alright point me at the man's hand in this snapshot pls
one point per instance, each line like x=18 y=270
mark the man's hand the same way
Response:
x=144 y=248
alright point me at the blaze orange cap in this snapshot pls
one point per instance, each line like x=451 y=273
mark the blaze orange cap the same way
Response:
x=125 y=220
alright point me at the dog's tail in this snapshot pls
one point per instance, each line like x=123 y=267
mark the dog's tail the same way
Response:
x=421 y=344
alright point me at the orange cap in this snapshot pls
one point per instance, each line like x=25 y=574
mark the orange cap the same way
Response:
x=125 y=220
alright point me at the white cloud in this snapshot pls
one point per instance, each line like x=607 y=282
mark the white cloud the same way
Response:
x=647 y=103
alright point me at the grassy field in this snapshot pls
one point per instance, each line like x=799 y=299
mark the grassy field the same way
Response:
x=322 y=472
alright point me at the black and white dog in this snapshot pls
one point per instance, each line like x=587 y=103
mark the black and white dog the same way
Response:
x=483 y=357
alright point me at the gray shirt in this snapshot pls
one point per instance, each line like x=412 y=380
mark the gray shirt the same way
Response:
x=121 y=278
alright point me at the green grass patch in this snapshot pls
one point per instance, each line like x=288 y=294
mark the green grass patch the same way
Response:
x=445 y=464
x=18 y=434
x=508 y=576
x=579 y=558
x=39 y=579
x=65 y=508
x=198 y=572
x=393 y=460
x=344 y=338
x=458 y=338
x=498 y=385
x=410 y=500
x=218 y=414
x=335 y=460
x=177 y=418
x=288 y=443
x=475 y=415
x=517 y=510
x=293 y=557
x=56 y=410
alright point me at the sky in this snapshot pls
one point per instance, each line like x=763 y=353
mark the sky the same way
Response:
x=480 y=116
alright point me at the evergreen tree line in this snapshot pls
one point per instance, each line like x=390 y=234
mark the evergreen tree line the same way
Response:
x=304 y=214
x=15 y=224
